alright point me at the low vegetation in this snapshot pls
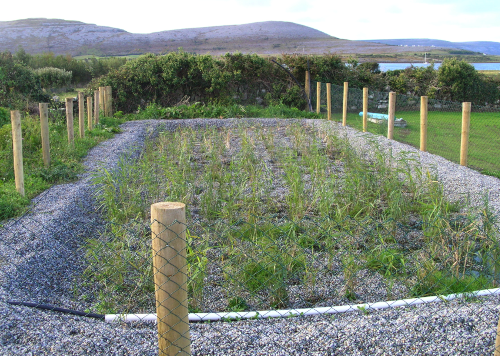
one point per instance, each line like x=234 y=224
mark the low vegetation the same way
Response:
x=285 y=217
x=65 y=160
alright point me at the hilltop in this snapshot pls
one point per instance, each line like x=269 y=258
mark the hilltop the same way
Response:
x=271 y=37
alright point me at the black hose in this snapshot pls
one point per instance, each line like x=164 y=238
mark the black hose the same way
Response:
x=300 y=86
x=62 y=310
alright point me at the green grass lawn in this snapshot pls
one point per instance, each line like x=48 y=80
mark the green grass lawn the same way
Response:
x=444 y=135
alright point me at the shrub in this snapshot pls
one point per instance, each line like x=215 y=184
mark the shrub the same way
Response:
x=4 y=116
x=227 y=80
x=459 y=81
x=18 y=83
x=51 y=77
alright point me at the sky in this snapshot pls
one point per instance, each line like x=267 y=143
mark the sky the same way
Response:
x=451 y=20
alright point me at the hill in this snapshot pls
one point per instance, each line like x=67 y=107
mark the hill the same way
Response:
x=272 y=37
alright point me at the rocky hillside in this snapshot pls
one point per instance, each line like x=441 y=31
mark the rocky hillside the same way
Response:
x=272 y=37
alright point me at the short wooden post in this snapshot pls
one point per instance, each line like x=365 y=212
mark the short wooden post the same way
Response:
x=392 y=115
x=102 y=93
x=170 y=277
x=424 y=100
x=318 y=97
x=17 y=143
x=344 y=106
x=466 y=109
x=97 y=95
x=69 y=121
x=81 y=114
x=308 y=88
x=108 y=106
x=89 y=112
x=44 y=128
x=329 y=100
x=365 y=109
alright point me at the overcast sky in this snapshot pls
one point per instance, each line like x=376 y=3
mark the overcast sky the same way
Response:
x=452 y=20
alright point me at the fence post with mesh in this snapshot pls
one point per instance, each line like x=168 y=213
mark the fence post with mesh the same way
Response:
x=392 y=114
x=365 y=109
x=318 y=97
x=466 y=109
x=81 y=114
x=44 y=131
x=329 y=100
x=108 y=105
x=69 y=121
x=423 y=122
x=170 y=277
x=17 y=143
x=102 y=103
x=89 y=112
x=344 y=107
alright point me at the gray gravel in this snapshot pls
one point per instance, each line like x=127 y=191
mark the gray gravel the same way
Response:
x=39 y=257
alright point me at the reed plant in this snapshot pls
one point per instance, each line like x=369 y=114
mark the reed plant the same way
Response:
x=280 y=209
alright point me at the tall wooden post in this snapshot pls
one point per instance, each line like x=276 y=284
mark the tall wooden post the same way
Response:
x=17 y=143
x=81 y=114
x=365 y=109
x=89 y=113
x=466 y=109
x=44 y=128
x=329 y=100
x=344 y=106
x=102 y=101
x=392 y=115
x=308 y=89
x=108 y=106
x=318 y=97
x=69 y=121
x=97 y=95
x=170 y=277
x=424 y=100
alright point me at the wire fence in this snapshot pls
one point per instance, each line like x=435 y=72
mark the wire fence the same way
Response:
x=176 y=272
x=444 y=124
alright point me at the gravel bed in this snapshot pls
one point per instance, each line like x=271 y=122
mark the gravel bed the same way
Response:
x=39 y=257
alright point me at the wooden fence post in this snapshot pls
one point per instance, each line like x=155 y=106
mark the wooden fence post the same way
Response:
x=344 y=107
x=69 y=121
x=108 y=106
x=170 y=277
x=81 y=114
x=392 y=115
x=466 y=109
x=497 y=340
x=44 y=128
x=308 y=89
x=17 y=143
x=102 y=102
x=329 y=99
x=424 y=100
x=365 y=109
x=89 y=112
x=318 y=97
x=97 y=95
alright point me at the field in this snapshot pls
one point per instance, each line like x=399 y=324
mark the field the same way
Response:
x=284 y=216
x=444 y=135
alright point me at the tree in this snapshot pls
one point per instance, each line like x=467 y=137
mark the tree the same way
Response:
x=459 y=81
